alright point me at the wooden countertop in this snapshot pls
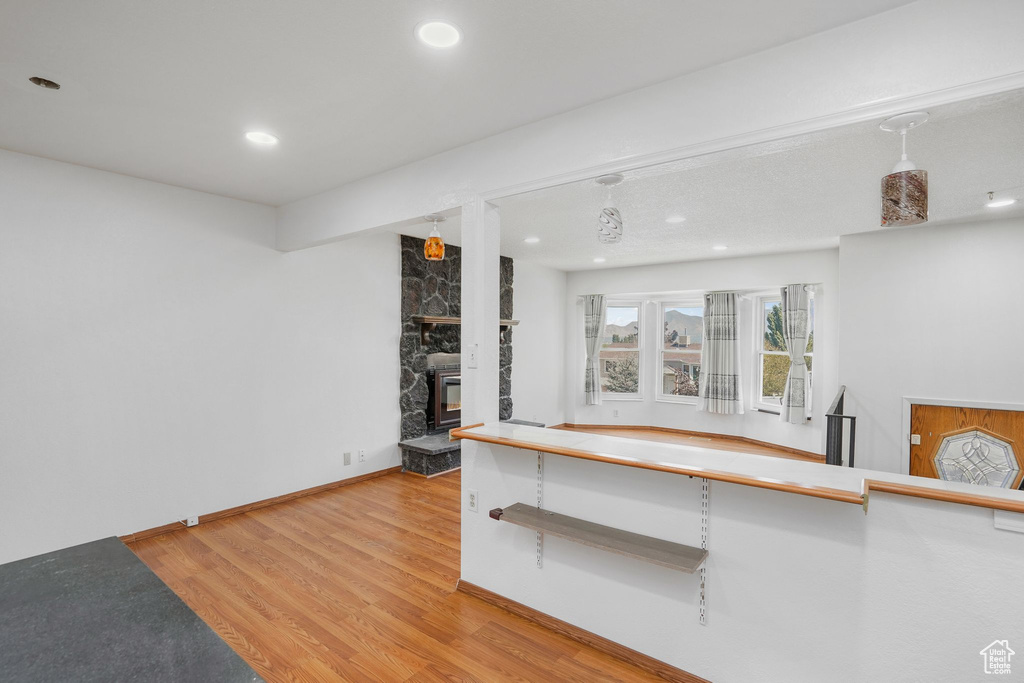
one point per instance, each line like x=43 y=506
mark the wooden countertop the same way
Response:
x=844 y=484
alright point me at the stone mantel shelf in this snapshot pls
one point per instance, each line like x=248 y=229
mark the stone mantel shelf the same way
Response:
x=429 y=322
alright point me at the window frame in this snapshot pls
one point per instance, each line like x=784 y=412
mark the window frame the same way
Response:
x=641 y=336
x=659 y=395
x=757 y=400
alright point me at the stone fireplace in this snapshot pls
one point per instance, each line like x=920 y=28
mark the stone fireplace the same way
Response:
x=434 y=288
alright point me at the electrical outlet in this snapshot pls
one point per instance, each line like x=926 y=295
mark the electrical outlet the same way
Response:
x=615 y=413
x=192 y=521
x=472 y=500
x=348 y=457
x=362 y=455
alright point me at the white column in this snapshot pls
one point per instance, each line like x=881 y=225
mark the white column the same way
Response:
x=481 y=275
x=481 y=241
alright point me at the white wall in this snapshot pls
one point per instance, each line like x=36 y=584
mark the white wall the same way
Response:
x=538 y=344
x=798 y=588
x=824 y=80
x=160 y=359
x=932 y=311
x=748 y=273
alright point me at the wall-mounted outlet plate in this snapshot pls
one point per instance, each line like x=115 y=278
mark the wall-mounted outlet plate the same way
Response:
x=191 y=521
x=472 y=500
x=348 y=457
x=362 y=455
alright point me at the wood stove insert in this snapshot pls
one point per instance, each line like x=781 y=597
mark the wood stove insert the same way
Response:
x=444 y=408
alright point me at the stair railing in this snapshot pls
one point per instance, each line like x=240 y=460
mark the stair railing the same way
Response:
x=834 y=431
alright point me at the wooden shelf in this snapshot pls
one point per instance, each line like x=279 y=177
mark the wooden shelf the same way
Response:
x=428 y=322
x=676 y=556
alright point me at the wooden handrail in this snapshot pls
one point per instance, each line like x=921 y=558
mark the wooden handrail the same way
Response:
x=937 y=494
x=824 y=492
x=757 y=482
x=453 y=434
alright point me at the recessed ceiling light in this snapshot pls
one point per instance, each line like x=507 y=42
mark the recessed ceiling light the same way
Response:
x=599 y=259
x=676 y=218
x=995 y=204
x=610 y=180
x=532 y=240
x=719 y=247
x=438 y=34
x=261 y=138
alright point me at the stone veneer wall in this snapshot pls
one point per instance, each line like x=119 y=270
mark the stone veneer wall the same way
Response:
x=435 y=288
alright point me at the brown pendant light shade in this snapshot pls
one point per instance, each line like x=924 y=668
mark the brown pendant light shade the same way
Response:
x=905 y=190
x=905 y=198
x=433 y=248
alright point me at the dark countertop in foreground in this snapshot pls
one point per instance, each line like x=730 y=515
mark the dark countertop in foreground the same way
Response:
x=95 y=612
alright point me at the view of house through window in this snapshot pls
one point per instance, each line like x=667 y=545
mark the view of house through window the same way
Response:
x=683 y=337
x=620 y=350
x=773 y=357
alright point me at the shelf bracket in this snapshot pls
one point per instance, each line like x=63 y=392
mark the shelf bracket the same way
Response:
x=540 y=506
x=425 y=330
x=705 y=500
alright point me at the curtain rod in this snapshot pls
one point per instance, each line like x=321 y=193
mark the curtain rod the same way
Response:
x=745 y=293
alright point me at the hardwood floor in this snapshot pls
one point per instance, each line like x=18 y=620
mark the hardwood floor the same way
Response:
x=715 y=441
x=358 y=584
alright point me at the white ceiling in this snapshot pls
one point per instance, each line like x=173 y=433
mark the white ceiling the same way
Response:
x=165 y=90
x=790 y=195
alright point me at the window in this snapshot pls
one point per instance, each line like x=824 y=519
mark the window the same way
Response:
x=620 y=351
x=682 y=327
x=773 y=360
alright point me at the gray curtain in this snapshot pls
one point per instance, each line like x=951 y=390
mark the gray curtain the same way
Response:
x=720 y=388
x=593 y=332
x=796 y=316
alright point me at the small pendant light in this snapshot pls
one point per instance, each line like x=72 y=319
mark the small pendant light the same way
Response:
x=905 y=190
x=609 y=221
x=433 y=248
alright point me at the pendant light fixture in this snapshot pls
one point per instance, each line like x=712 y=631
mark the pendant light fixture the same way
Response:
x=609 y=221
x=433 y=248
x=905 y=190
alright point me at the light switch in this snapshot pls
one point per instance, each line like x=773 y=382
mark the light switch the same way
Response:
x=472 y=351
x=915 y=439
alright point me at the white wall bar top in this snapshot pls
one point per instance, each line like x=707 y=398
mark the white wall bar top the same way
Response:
x=845 y=484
